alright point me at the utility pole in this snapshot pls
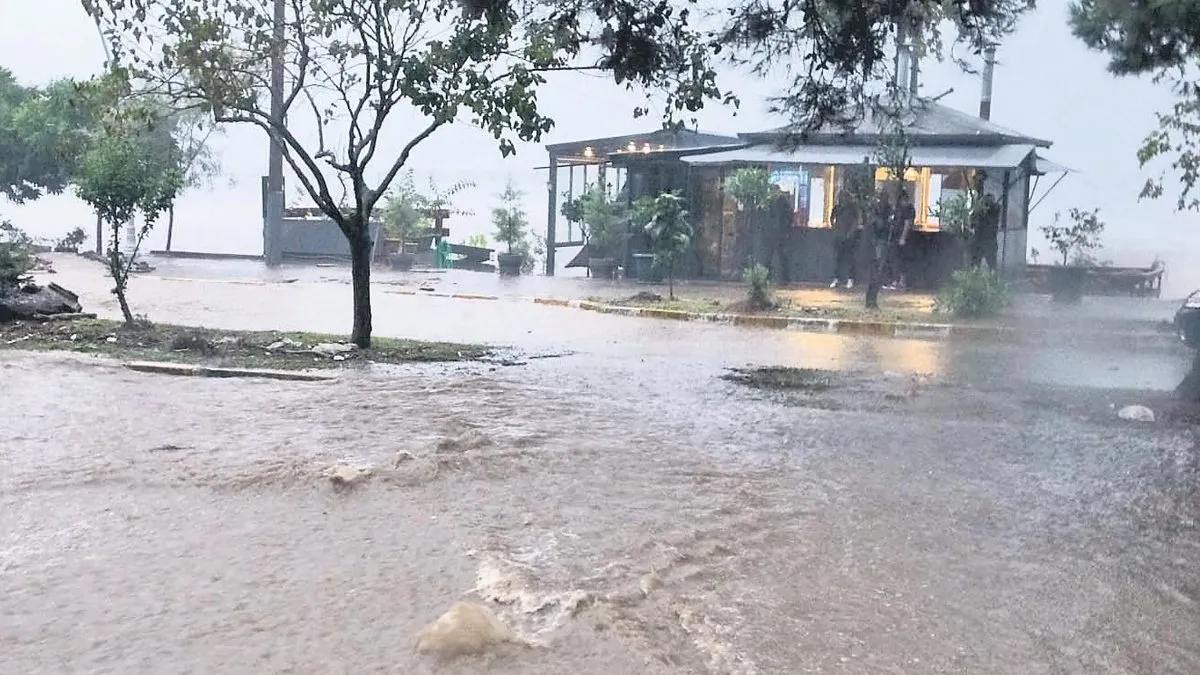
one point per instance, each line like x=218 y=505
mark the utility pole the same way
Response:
x=989 y=68
x=273 y=207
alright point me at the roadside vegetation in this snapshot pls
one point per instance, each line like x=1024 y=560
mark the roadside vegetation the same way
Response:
x=973 y=293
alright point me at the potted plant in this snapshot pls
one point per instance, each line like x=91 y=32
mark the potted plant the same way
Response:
x=605 y=222
x=402 y=217
x=1072 y=240
x=670 y=233
x=71 y=242
x=510 y=222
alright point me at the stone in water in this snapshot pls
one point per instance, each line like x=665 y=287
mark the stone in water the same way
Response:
x=1136 y=413
x=464 y=630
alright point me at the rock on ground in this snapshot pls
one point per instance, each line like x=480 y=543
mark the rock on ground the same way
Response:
x=30 y=300
x=1136 y=413
x=466 y=629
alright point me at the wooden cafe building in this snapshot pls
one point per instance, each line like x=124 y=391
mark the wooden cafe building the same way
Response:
x=947 y=150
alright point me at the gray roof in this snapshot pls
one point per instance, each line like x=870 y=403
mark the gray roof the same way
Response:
x=669 y=139
x=928 y=123
x=845 y=154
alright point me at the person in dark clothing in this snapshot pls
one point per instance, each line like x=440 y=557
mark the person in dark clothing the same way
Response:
x=847 y=223
x=780 y=216
x=902 y=217
x=985 y=226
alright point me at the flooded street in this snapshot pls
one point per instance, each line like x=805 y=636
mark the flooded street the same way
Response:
x=939 y=508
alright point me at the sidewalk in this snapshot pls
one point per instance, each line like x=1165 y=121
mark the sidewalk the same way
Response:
x=908 y=316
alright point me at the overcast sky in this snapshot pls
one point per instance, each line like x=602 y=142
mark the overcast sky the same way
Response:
x=1047 y=85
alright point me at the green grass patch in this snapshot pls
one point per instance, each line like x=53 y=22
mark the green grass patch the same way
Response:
x=281 y=350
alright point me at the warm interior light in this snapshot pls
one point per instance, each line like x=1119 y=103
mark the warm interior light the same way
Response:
x=646 y=148
x=632 y=146
x=588 y=152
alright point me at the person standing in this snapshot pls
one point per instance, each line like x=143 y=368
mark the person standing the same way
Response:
x=847 y=233
x=902 y=217
x=985 y=225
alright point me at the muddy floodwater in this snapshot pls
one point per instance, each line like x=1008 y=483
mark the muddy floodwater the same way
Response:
x=623 y=509
x=668 y=522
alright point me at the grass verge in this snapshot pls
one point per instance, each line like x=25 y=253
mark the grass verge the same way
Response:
x=850 y=309
x=279 y=350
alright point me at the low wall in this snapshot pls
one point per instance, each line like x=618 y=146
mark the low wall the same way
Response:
x=312 y=238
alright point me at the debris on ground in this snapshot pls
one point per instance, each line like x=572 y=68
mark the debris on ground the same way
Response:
x=646 y=296
x=466 y=629
x=30 y=301
x=782 y=378
x=1136 y=413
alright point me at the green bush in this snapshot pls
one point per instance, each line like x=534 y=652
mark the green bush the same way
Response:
x=758 y=286
x=16 y=255
x=973 y=292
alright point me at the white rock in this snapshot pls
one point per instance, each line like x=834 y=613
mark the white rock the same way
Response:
x=466 y=629
x=1136 y=413
x=331 y=348
x=283 y=344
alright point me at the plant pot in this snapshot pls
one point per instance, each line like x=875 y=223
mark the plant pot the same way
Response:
x=402 y=261
x=1066 y=283
x=509 y=264
x=602 y=268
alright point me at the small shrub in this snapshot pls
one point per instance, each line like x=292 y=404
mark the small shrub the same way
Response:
x=1074 y=240
x=973 y=292
x=758 y=286
x=72 y=241
x=16 y=255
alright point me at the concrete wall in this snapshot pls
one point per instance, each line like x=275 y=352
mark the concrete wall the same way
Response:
x=312 y=238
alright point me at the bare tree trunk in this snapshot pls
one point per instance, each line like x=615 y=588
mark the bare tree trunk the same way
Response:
x=170 y=226
x=124 y=303
x=1189 y=389
x=360 y=276
x=99 y=235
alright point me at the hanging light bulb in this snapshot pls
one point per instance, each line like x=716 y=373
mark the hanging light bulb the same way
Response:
x=646 y=148
x=588 y=152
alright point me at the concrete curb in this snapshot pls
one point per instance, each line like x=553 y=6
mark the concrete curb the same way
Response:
x=853 y=327
x=166 y=368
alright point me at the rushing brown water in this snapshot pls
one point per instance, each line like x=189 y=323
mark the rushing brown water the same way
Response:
x=661 y=523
